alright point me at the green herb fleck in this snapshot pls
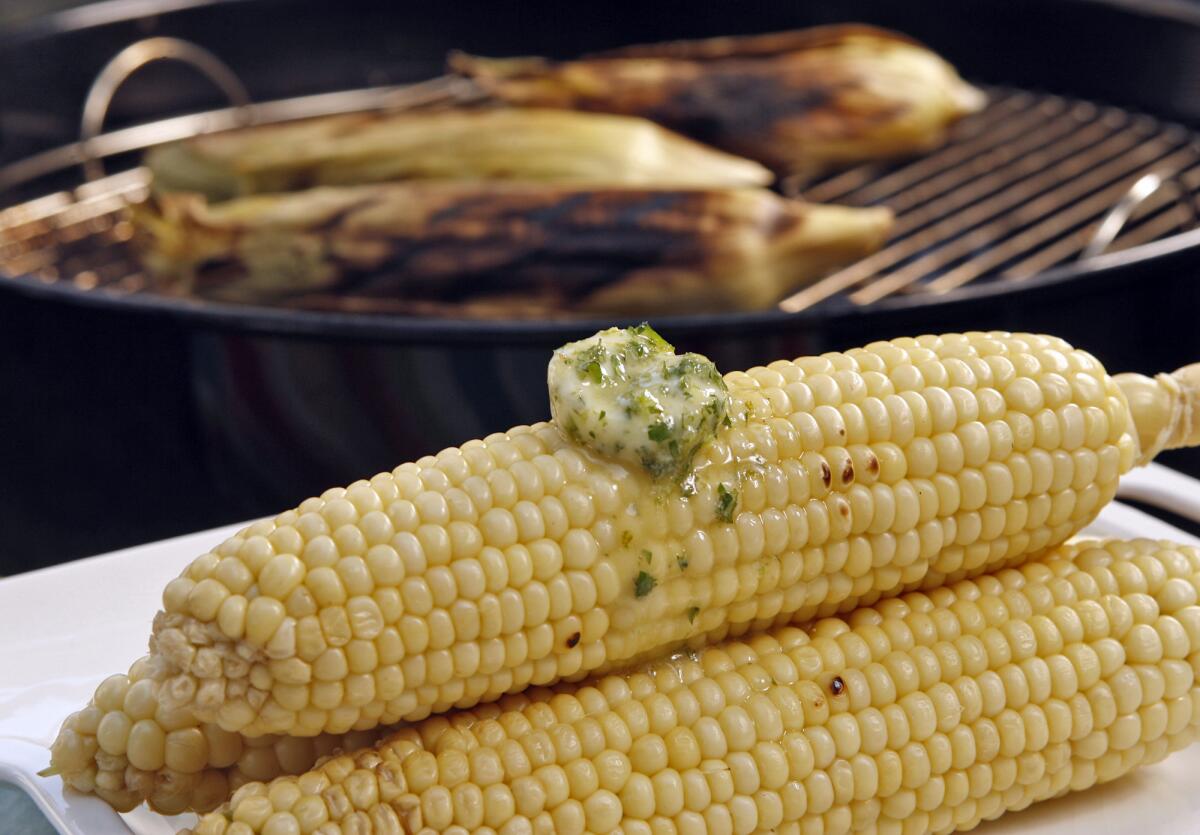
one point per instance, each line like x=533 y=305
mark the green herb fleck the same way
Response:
x=726 y=503
x=595 y=372
x=646 y=402
x=651 y=335
x=682 y=560
x=657 y=467
x=678 y=401
x=568 y=425
x=647 y=556
x=590 y=364
x=643 y=583
x=692 y=612
x=626 y=539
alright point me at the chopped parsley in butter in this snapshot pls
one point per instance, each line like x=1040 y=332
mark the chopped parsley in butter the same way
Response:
x=626 y=394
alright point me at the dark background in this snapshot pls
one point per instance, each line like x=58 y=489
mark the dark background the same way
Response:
x=101 y=445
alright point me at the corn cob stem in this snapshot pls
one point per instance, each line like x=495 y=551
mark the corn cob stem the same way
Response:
x=927 y=713
x=525 y=559
x=1165 y=408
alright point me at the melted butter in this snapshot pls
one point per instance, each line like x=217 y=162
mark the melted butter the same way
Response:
x=626 y=395
x=668 y=500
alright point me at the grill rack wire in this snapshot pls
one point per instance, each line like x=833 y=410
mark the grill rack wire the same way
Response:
x=1031 y=182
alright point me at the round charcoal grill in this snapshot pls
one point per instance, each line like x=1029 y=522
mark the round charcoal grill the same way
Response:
x=1068 y=205
x=1031 y=183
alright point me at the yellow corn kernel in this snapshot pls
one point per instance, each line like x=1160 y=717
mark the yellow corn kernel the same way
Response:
x=141 y=751
x=844 y=477
x=821 y=494
x=929 y=712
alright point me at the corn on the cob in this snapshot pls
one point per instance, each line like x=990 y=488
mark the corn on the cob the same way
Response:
x=923 y=714
x=515 y=248
x=128 y=748
x=797 y=101
x=505 y=144
x=523 y=559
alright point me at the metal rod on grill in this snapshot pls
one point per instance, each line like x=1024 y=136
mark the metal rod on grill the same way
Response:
x=1062 y=212
x=1009 y=117
x=1019 y=188
x=974 y=131
x=1155 y=226
x=1005 y=186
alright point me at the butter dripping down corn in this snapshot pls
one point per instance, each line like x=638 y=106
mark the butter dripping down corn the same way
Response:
x=520 y=559
x=926 y=713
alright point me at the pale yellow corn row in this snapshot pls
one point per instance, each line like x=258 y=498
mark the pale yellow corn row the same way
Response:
x=129 y=748
x=522 y=559
x=927 y=713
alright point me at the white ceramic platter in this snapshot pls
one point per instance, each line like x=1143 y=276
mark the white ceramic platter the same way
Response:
x=66 y=628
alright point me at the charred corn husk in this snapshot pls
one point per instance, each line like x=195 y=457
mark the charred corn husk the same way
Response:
x=927 y=713
x=797 y=101
x=517 y=248
x=525 y=559
x=505 y=144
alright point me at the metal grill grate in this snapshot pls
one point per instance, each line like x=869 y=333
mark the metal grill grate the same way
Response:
x=81 y=237
x=1020 y=187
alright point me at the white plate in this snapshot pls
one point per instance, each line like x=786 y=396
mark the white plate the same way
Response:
x=66 y=628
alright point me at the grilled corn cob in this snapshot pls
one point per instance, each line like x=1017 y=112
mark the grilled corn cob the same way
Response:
x=927 y=713
x=525 y=558
x=519 y=248
x=797 y=101
x=507 y=144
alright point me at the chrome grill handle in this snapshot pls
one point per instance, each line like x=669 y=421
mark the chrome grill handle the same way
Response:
x=132 y=58
x=1143 y=189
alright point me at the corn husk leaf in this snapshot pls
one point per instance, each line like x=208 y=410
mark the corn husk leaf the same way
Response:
x=503 y=249
x=799 y=101
x=454 y=144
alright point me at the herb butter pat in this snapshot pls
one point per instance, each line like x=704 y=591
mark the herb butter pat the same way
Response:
x=626 y=394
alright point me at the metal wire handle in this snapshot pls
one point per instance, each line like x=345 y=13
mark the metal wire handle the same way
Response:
x=128 y=61
x=1142 y=190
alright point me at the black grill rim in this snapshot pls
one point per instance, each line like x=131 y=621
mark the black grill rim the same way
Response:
x=1180 y=250
x=1063 y=282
